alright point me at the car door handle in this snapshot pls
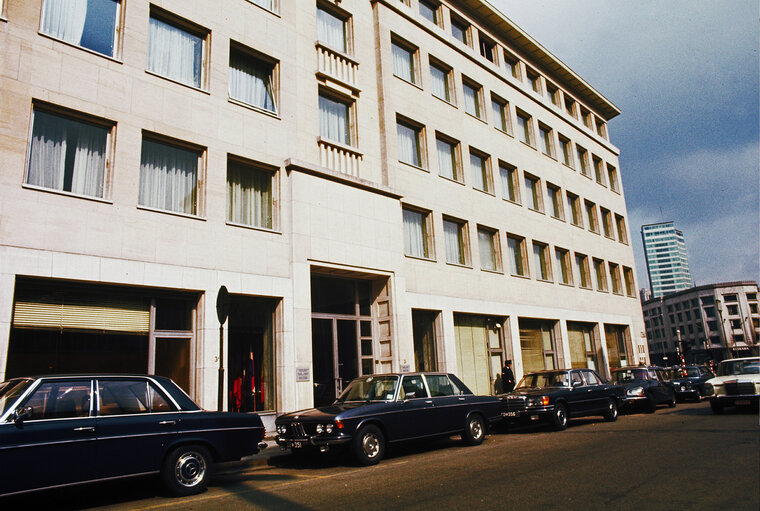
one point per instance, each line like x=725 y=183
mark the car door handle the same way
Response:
x=168 y=423
x=430 y=402
x=86 y=428
x=461 y=399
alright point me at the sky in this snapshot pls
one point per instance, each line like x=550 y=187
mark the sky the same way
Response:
x=685 y=74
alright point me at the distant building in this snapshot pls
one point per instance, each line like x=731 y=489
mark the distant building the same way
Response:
x=712 y=322
x=645 y=294
x=667 y=261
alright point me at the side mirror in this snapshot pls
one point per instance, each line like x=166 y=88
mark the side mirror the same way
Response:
x=21 y=414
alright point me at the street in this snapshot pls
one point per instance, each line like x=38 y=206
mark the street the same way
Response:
x=682 y=458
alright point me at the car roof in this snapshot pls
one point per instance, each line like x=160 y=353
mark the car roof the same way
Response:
x=743 y=358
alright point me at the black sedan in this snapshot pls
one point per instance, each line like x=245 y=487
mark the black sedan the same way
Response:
x=645 y=386
x=558 y=395
x=380 y=409
x=689 y=381
x=62 y=430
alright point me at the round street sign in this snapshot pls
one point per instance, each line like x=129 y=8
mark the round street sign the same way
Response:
x=222 y=304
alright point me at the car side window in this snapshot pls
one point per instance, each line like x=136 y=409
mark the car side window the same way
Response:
x=576 y=378
x=440 y=385
x=652 y=374
x=412 y=387
x=591 y=378
x=126 y=397
x=59 y=400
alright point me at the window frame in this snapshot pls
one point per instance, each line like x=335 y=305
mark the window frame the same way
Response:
x=487 y=45
x=566 y=151
x=513 y=181
x=542 y=261
x=607 y=226
x=350 y=104
x=262 y=168
x=622 y=229
x=576 y=211
x=427 y=233
x=592 y=216
x=612 y=178
x=348 y=28
x=564 y=265
x=118 y=35
x=455 y=155
x=274 y=77
x=582 y=155
x=556 y=201
x=534 y=80
x=584 y=271
x=414 y=59
x=599 y=170
x=495 y=248
x=600 y=275
x=477 y=89
x=546 y=137
x=525 y=132
x=502 y=119
x=275 y=6
x=485 y=170
x=420 y=141
x=615 y=277
x=435 y=9
x=553 y=93
x=512 y=63
x=462 y=241
x=464 y=27
x=521 y=251
x=448 y=80
x=534 y=191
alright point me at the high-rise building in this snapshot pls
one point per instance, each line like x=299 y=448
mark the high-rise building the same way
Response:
x=381 y=185
x=667 y=261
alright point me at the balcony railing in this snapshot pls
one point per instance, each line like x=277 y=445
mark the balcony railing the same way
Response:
x=337 y=65
x=339 y=158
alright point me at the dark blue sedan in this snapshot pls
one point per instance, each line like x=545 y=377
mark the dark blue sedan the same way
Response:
x=63 y=430
x=380 y=409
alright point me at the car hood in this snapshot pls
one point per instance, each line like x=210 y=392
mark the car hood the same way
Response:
x=720 y=380
x=533 y=391
x=327 y=413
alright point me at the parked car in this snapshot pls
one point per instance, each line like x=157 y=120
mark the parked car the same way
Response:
x=646 y=386
x=689 y=381
x=737 y=384
x=558 y=395
x=64 y=430
x=375 y=410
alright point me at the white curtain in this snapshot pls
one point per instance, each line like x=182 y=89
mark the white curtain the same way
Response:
x=446 y=163
x=438 y=83
x=174 y=53
x=471 y=101
x=249 y=196
x=538 y=258
x=499 y=117
x=408 y=147
x=251 y=81
x=507 y=188
x=515 y=257
x=266 y=4
x=477 y=165
x=414 y=234
x=333 y=120
x=486 y=249
x=168 y=178
x=452 y=237
x=64 y=19
x=402 y=63
x=331 y=30
x=56 y=141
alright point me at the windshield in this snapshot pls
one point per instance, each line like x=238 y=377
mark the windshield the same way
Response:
x=540 y=380
x=370 y=388
x=747 y=366
x=627 y=375
x=9 y=391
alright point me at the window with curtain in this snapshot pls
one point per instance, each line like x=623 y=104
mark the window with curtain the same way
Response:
x=168 y=177
x=334 y=120
x=621 y=230
x=472 y=99
x=403 y=62
x=409 y=144
x=582 y=157
x=91 y=24
x=629 y=287
x=266 y=4
x=566 y=150
x=331 y=30
x=593 y=221
x=500 y=115
x=439 y=82
x=509 y=182
x=617 y=286
x=600 y=275
x=547 y=145
x=612 y=176
x=455 y=243
x=249 y=195
x=175 y=53
x=516 y=247
x=581 y=263
x=447 y=159
x=251 y=80
x=479 y=169
x=574 y=206
x=533 y=192
x=487 y=250
x=415 y=233
x=541 y=260
x=555 y=202
x=599 y=171
x=67 y=155
x=523 y=128
x=563 y=266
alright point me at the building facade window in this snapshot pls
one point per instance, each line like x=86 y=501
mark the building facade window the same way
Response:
x=510 y=187
x=169 y=177
x=542 y=261
x=574 y=207
x=533 y=193
x=513 y=65
x=525 y=128
x=593 y=219
x=612 y=177
x=332 y=30
x=68 y=154
x=617 y=283
x=448 y=158
x=609 y=229
x=487 y=48
x=599 y=171
x=429 y=11
x=252 y=79
x=600 y=275
x=460 y=29
x=455 y=236
x=570 y=107
x=269 y=5
x=621 y=229
x=566 y=151
x=410 y=143
x=555 y=201
x=564 y=266
x=472 y=98
x=537 y=345
x=335 y=119
x=501 y=118
x=417 y=233
x=176 y=49
x=517 y=256
x=553 y=93
x=534 y=80
x=582 y=160
x=546 y=136
x=250 y=200
x=488 y=248
x=441 y=81
x=404 y=60
x=480 y=169
x=91 y=24
x=583 y=274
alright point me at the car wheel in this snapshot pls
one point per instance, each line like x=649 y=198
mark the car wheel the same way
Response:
x=611 y=414
x=672 y=402
x=650 y=405
x=474 y=431
x=717 y=408
x=369 y=445
x=559 y=417
x=186 y=470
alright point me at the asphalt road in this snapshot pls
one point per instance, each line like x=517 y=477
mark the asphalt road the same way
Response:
x=674 y=459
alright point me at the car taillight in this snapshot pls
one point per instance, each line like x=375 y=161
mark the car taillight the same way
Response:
x=544 y=400
x=339 y=424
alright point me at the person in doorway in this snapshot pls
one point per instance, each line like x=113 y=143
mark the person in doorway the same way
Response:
x=507 y=377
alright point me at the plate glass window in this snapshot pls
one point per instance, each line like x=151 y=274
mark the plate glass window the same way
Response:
x=455 y=242
x=251 y=80
x=334 y=120
x=67 y=155
x=415 y=234
x=403 y=62
x=91 y=24
x=168 y=177
x=331 y=30
x=175 y=53
x=249 y=195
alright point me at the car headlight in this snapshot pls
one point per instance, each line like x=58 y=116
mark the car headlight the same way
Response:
x=329 y=428
x=320 y=429
x=635 y=391
x=282 y=429
x=709 y=390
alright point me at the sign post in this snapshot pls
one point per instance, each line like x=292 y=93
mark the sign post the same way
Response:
x=222 y=311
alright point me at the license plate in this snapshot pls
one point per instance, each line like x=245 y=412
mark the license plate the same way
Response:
x=509 y=414
x=741 y=402
x=295 y=445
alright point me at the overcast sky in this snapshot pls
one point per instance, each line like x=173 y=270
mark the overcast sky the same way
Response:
x=685 y=75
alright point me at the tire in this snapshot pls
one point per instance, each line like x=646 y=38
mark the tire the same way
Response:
x=369 y=445
x=672 y=402
x=559 y=417
x=186 y=470
x=474 y=430
x=717 y=408
x=650 y=405
x=611 y=414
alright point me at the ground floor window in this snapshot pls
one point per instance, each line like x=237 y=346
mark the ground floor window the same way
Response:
x=480 y=352
x=617 y=338
x=538 y=345
x=582 y=341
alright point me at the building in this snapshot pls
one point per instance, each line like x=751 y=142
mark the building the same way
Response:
x=380 y=185
x=712 y=322
x=667 y=261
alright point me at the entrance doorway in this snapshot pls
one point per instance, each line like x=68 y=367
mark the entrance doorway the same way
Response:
x=424 y=328
x=480 y=352
x=342 y=334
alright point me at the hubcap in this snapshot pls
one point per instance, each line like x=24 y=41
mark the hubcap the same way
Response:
x=613 y=410
x=561 y=416
x=476 y=429
x=370 y=445
x=190 y=469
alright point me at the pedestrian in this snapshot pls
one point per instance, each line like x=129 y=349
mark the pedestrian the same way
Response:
x=507 y=377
